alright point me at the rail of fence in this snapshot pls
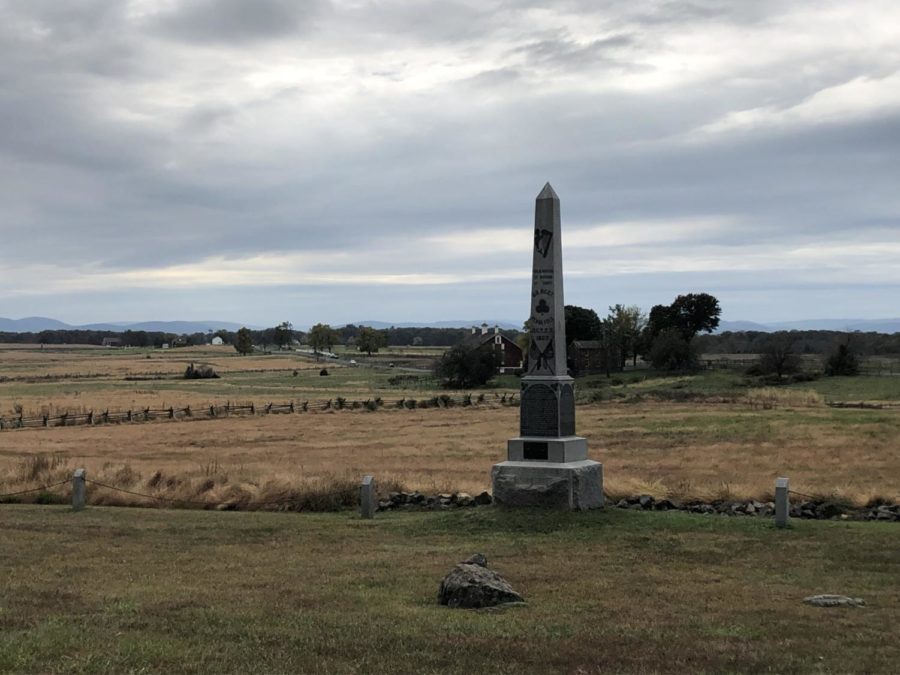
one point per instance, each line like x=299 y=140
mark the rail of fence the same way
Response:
x=214 y=411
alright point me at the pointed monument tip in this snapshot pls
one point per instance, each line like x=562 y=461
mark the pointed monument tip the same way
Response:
x=548 y=193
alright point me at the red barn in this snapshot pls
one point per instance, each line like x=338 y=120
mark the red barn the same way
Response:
x=508 y=354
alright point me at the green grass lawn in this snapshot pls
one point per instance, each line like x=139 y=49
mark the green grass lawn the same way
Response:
x=143 y=590
x=858 y=388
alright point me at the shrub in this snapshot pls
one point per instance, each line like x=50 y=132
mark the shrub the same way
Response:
x=464 y=367
x=842 y=362
x=671 y=351
x=200 y=373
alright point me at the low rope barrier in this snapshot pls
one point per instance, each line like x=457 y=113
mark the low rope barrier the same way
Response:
x=171 y=500
x=800 y=494
x=37 y=489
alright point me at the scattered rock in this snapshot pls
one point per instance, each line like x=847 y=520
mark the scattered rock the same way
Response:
x=834 y=601
x=483 y=499
x=479 y=559
x=472 y=585
x=828 y=510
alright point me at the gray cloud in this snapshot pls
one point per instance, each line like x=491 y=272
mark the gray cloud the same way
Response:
x=238 y=131
x=237 y=21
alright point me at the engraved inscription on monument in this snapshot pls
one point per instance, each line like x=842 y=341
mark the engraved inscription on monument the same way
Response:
x=539 y=411
x=567 y=411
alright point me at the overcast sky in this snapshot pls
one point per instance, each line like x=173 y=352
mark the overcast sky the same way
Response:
x=335 y=160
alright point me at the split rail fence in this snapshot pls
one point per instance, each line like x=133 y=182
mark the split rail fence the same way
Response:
x=229 y=409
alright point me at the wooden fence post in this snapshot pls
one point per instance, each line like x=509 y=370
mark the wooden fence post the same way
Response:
x=79 y=490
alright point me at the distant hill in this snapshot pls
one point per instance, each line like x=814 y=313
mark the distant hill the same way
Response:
x=454 y=323
x=887 y=326
x=31 y=324
x=737 y=326
x=863 y=325
x=35 y=324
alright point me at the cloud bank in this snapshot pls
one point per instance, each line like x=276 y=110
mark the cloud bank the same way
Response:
x=330 y=160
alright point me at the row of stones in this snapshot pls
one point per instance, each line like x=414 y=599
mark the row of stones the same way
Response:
x=447 y=500
x=817 y=510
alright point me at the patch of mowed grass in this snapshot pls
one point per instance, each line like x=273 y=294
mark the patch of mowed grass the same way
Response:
x=735 y=424
x=857 y=388
x=666 y=385
x=123 y=590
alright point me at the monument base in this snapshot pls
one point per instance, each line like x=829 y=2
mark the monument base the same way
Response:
x=576 y=486
x=538 y=448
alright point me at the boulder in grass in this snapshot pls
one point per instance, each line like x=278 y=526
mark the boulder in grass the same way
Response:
x=472 y=585
x=834 y=601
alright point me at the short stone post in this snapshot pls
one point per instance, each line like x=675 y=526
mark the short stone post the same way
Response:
x=79 y=490
x=367 y=497
x=782 y=502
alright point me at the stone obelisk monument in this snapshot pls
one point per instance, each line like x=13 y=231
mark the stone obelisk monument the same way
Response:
x=547 y=463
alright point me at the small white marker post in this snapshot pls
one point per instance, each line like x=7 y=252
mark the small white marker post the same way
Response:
x=79 y=489
x=782 y=502
x=367 y=497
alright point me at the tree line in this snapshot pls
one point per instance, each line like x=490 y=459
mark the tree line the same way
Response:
x=665 y=336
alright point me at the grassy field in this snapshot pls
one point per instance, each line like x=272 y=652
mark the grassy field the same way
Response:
x=678 y=450
x=36 y=380
x=710 y=435
x=135 y=590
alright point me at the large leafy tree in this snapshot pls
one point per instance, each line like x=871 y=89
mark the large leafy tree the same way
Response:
x=322 y=337
x=625 y=326
x=283 y=334
x=695 y=313
x=582 y=324
x=370 y=340
x=464 y=367
x=668 y=325
x=243 y=341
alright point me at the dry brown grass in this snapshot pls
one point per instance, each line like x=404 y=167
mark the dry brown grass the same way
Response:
x=675 y=450
x=29 y=363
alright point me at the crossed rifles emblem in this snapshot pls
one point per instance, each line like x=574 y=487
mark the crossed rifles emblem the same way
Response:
x=541 y=359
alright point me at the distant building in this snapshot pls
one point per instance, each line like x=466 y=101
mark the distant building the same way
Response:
x=590 y=357
x=112 y=342
x=507 y=353
x=218 y=341
x=165 y=345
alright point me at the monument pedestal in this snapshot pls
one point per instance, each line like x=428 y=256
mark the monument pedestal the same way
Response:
x=576 y=486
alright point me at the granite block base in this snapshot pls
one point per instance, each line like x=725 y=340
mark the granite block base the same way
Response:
x=576 y=486
x=563 y=450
